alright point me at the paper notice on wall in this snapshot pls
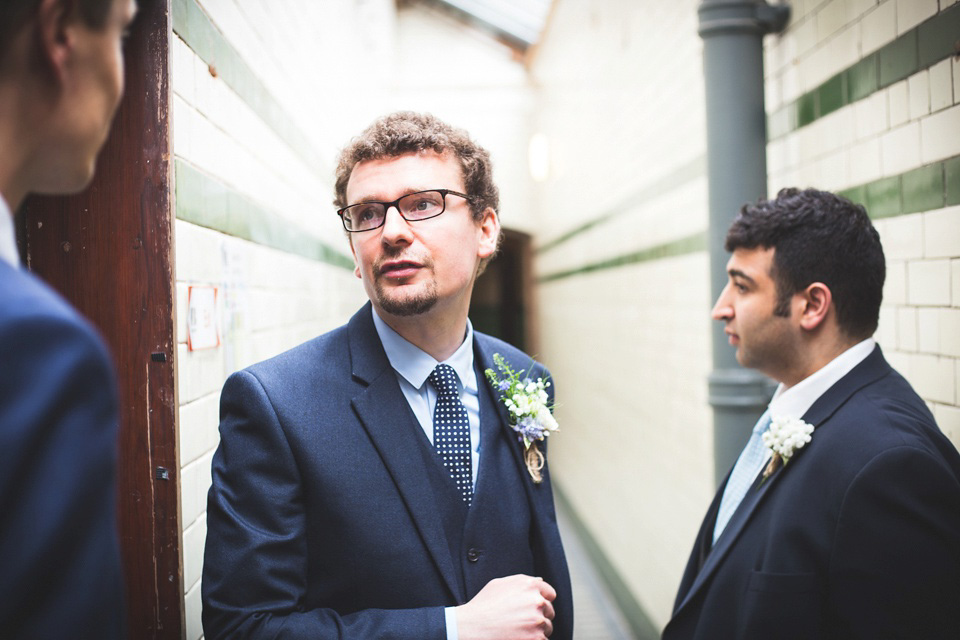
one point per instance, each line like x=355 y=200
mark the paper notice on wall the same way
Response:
x=202 y=330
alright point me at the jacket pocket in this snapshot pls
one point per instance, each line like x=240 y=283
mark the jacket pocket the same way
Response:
x=785 y=606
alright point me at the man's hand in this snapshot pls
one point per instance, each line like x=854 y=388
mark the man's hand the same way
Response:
x=513 y=608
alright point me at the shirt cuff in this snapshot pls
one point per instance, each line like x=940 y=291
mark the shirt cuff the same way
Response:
x=450 y=615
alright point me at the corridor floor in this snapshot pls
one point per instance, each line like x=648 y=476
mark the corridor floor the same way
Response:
x=596 y=616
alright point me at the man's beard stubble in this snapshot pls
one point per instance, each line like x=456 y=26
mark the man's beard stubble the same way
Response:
x=405 y=306
x=410 y=306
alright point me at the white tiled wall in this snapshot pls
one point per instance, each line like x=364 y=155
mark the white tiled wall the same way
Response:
x=621 y=101
x=628 y=348
x=332 y=66
x=907 y=125
x=617 y=89
x=268 y=300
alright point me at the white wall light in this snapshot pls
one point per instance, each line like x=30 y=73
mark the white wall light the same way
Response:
x=538 y=155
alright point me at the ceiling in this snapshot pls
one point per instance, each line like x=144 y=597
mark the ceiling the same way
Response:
x=518 y=22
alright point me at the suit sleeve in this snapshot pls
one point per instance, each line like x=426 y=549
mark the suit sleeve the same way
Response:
x=895 y=568
x=255 y=565
x=58 y=495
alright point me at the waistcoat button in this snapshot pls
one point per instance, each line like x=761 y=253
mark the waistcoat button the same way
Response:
x=473 y=555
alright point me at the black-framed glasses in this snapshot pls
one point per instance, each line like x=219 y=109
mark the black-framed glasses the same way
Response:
x=413 y=207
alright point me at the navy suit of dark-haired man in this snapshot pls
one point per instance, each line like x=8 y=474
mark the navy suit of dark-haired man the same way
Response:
x=368 y=484
x=841 y=518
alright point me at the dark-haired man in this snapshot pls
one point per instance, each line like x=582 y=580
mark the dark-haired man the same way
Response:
x=851 y=529
x=61 y=78
x=367 y=484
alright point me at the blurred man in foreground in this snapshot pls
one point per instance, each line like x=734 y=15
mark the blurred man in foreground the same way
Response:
x=61 y=79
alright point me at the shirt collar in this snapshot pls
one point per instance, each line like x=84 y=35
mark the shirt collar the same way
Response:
x=795 y=401
x=415 y=365
x=8 y=236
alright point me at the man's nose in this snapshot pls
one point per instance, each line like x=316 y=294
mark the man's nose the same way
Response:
x=722 y=310
x=395 y=227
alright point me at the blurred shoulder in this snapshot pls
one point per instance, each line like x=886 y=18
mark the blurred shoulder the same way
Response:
x=34 y=318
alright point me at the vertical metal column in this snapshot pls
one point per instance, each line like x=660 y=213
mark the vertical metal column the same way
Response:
x=732 y=32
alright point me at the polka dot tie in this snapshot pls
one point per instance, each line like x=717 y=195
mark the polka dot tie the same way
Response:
x=451 y=429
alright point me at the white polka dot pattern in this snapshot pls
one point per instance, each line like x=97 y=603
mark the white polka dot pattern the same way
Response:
x=451 y=429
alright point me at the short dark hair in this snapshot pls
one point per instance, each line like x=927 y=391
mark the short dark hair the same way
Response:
x=14 y=14
x=818 y=236
x=409 y=132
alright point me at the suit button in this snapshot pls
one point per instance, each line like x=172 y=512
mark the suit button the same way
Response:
x=473 y=555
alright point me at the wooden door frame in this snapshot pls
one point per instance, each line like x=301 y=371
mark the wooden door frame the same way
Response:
x=110 y=252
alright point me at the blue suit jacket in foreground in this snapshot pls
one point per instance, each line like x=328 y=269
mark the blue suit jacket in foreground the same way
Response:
x=857 y=537
x=330 y=517
x=59 y=556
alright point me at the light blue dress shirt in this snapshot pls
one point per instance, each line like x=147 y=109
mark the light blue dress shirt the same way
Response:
x=413 y=366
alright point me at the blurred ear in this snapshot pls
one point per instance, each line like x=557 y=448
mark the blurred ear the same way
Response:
x=814 y=302
x=54 y=24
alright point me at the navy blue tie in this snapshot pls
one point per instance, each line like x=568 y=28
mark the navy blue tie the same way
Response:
x=451 y=430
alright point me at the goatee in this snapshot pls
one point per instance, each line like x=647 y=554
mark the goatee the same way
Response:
x=408 y=306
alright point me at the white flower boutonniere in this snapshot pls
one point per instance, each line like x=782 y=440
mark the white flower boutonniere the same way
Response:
x=529 y=409
x=784 y=437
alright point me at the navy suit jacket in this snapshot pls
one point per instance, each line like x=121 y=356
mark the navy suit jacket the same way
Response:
x=329 y=516
x=59 y=556
x=857 y=537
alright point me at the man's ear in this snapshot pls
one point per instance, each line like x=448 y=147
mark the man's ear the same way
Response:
x=815 y=301
x=54 y=28
x=356 y=263
x=489 y=233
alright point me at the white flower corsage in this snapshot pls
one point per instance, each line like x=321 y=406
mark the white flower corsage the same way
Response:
x=529 y=409
x=783 y=438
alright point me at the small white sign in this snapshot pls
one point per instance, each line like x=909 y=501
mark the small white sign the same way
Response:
x=202 y=330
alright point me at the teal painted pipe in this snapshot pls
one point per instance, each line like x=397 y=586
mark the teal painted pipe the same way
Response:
x=732 y=32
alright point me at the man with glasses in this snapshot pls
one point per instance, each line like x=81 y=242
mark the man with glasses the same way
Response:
x=367 y=483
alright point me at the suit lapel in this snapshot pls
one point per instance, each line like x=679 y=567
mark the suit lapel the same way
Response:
x=867 y=372
x=490 y=426
x=754 y=496
x=384 y=413
x=483 y=352
x=484 y=358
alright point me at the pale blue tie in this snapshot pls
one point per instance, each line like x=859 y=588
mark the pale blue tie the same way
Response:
x=743 y=475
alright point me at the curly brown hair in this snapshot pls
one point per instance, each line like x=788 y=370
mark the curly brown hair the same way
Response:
x=409 y=132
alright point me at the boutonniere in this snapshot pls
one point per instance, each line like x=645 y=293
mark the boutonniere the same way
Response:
x=783 y=438
x=529 y=410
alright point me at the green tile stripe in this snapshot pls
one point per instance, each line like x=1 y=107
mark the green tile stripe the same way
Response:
x=683 y=174
x=633 y=613
x=205 y=201
x=929 y=187
x=926 y=188
x=920 y=48
x=690 y=244
x=193 y=25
